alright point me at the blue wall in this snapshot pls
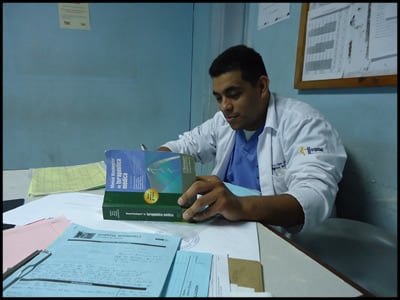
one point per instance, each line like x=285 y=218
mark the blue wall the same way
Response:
x=366 y=119
x=68 y=95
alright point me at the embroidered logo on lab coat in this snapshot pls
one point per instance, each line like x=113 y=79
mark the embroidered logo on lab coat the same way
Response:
x=310 y=150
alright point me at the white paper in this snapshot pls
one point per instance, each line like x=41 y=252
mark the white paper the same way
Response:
x=218 y=236
x=271 y=13
x=239 y=291
x=345 y=40
x=74 y=15
x=383 y=24
x=326 y=42
x=80 y=208
x=219 y=279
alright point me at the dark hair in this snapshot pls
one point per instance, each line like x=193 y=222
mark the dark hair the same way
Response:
x=239 y=58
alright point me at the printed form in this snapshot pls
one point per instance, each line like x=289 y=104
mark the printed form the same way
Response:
x=346 y=40
x=86 y=262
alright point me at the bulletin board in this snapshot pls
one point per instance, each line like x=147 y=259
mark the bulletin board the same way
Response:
x=346 y=45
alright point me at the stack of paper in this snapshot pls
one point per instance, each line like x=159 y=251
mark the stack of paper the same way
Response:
x=217 y=236
x=67 y=179
x=21 y=241
x=85 y=262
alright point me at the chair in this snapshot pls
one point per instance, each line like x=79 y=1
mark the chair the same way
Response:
x=363 y=252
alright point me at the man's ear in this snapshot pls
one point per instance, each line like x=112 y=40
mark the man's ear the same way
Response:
x=263 y=84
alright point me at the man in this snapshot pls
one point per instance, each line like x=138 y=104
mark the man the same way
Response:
x=279 y=146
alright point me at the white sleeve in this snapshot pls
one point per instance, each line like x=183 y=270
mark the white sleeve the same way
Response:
x=316 y=159
x=200 y=142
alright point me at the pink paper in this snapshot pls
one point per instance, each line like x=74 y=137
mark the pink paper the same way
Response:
x=19 y=242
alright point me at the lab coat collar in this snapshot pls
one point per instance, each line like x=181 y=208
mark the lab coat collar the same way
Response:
x=271 y=121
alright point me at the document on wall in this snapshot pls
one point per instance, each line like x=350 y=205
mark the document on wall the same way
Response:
x=383 y=37
x=272 y=13
x=85 y=262
x=345 y=40
x=67 y=179
x=74 y=15
x=326 y=29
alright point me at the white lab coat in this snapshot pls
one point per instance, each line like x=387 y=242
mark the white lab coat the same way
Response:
x=299 y=153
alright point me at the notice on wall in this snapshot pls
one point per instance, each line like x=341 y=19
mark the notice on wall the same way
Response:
x=345 y=40
x=74 y=16
x=271 y=13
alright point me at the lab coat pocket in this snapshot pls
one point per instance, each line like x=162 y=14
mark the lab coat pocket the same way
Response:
x=278 y=180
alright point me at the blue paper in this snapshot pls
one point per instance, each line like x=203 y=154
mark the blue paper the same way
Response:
x=241 y=191
x=190 y=275
x=95 y=263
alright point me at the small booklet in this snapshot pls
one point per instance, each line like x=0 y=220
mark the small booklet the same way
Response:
x=145 y=185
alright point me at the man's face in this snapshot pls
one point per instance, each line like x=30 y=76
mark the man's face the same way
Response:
x=244 y=106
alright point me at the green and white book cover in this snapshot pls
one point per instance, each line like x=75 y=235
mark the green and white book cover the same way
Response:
x=145 y=185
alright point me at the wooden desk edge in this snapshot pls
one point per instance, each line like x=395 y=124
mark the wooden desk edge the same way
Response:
x=363 y=291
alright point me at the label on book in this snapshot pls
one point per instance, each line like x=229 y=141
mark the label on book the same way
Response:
x=145 y=185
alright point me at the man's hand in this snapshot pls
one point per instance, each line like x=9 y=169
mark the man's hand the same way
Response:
x=215 y=198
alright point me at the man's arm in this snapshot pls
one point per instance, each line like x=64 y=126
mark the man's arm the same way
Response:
x=281 y=210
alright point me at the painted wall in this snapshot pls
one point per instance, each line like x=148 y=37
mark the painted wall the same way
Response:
x=216 y=27
x=68 y=95
x=366 y=119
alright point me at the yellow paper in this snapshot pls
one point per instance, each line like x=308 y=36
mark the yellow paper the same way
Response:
x=67 y=179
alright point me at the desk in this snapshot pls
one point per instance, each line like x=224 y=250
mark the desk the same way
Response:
x=288 y=271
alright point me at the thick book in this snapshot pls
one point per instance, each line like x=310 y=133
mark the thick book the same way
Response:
x=145 y=185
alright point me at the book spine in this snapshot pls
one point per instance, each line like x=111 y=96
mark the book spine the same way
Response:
x=142 y=213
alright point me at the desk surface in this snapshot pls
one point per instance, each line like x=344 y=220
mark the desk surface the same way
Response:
x=287 y=270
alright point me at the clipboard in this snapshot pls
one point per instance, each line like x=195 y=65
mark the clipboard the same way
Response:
x=24 y=267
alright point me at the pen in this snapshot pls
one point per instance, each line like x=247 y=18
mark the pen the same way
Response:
x=93 y=284
x=143 y=147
